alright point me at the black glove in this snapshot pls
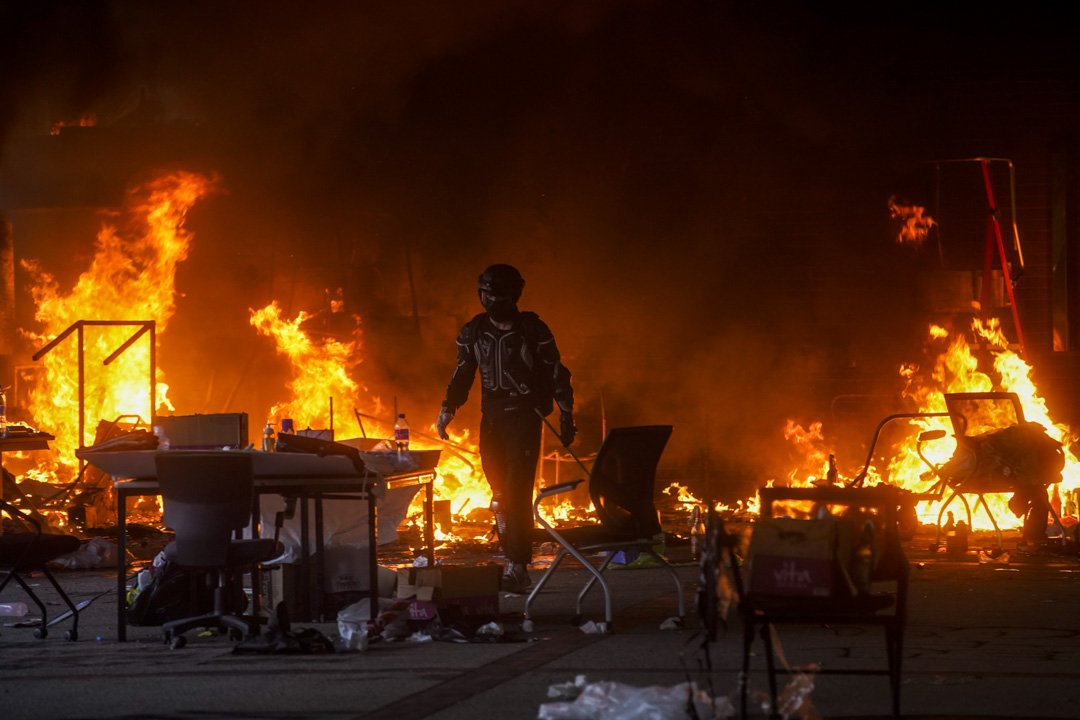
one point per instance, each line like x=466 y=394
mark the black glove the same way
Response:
x=445 y=416
x=567 y=428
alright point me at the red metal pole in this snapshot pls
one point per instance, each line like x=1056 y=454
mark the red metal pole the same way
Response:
x=993 y=232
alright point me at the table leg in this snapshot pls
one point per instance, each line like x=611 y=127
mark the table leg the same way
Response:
x=320 y=564
x=429 y=522
x=256 y=571
x=305 y=566
x=373 y=554
x=121 y=565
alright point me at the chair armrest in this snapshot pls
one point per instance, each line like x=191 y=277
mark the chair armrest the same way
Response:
x=549 y=490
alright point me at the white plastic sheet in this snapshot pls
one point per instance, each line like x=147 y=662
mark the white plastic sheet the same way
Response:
x=609 y=700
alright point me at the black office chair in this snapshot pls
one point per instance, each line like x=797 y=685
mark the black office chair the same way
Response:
x=621 y=486
x=859 y=578
x=207 y=496
x=26 y=552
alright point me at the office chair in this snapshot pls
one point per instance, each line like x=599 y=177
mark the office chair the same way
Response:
x=621 y=485
x=26 y=552
x=207 y=496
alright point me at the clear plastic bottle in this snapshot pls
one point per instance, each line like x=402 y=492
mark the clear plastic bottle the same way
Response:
x=401 y=434
x=3 y=413
x=697 y=533
x=13 y=609
x=268 y=437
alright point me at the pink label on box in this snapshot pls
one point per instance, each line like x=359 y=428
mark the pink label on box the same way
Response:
x=791 y=576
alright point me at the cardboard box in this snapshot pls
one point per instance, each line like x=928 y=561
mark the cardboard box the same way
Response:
x=472 y=590
x=346 y=570
x=343 y=585
x=204 y=432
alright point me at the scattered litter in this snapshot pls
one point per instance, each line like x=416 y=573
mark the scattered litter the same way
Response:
x=97 y=552
x=672 y=623
x=491 y=630
x=795 y=701
x=1005 y=569
x=419 y=637
x=79 y=606
x=567 y=690
x=986 y=558
x=280 y=638
x=356 y=629
x=594 y=628
x=420 y=561
x=608 y=700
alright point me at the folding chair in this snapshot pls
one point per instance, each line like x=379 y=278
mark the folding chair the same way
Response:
x=26 y=552
x=977 y=417
x=846 y=568
x=622 y=486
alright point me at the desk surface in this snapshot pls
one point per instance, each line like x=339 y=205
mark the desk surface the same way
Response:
x=25 y=441
x=141 y=464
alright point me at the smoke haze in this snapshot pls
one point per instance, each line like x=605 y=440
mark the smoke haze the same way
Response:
x=695 y=192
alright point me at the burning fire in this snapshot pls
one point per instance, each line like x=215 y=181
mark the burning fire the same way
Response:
x=130 y=278
x=914 y=226
x=87 y=120
x=955 y=370
x=321 y=370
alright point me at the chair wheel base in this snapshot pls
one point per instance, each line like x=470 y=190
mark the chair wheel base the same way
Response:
x=71 y=635
x=178 y=642
x=41 y=633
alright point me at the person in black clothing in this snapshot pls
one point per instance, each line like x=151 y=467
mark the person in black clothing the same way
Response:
x=522 y=378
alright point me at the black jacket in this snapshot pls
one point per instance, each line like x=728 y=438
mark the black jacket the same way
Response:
x=520 y=368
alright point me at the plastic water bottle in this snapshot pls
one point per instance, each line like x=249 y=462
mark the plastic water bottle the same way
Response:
x=401 y=434
x=268 y=437
x=697 y=533
x=3 y=413
x=13 y=609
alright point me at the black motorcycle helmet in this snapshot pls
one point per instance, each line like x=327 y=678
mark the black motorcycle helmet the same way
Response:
x=501 y=281
x=500 y=288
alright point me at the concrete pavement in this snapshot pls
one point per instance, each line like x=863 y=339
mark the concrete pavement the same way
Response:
x=983 y=641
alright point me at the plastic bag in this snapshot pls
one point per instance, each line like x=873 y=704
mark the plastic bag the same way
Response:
x=611 y=700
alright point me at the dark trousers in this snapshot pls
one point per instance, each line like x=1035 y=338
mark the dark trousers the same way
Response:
x=509 y=451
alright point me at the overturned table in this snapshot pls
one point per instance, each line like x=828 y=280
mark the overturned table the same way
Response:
x=302 y=476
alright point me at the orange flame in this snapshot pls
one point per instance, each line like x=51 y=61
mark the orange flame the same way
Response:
x=131 y=277
x=321 y=370
x=914 y=226
x=955 y=370
x=87 y=120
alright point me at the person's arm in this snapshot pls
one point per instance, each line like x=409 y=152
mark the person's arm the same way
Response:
x=559 y=377
x=457 y=392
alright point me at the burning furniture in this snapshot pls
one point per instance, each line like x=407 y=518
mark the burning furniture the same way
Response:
x=997 y=451
x=25 y=552
x=845 y=565
x=621 y=486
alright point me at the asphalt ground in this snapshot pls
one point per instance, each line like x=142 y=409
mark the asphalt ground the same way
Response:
x=983 y=641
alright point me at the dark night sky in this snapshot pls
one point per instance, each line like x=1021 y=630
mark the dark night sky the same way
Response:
x=676 y=180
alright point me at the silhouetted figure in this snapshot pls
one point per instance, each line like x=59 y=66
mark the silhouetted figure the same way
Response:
x=522 y=377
